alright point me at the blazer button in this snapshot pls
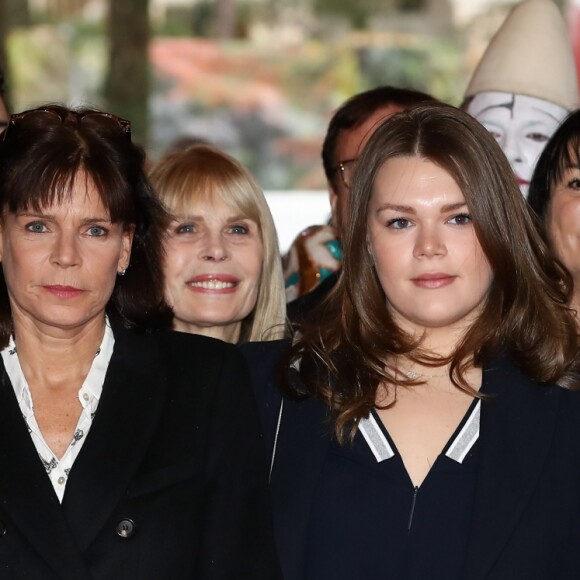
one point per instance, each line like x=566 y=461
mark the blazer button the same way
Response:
x=125 y=528
x=2 y=529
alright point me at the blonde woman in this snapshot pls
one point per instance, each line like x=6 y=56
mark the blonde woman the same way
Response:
x=222 y=266
x=223 y=275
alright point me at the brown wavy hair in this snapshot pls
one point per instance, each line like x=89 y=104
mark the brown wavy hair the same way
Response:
x=343 y=356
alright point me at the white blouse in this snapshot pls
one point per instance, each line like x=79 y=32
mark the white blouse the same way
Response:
x=89 y=395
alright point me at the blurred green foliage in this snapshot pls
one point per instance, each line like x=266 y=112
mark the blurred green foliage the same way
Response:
x=310 y=78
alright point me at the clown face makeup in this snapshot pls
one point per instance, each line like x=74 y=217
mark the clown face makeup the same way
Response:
x=522 y=125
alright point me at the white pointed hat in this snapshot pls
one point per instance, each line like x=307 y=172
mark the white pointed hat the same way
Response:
x=530 y=55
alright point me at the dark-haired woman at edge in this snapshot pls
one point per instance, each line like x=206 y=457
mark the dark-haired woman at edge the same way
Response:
x=555 y=198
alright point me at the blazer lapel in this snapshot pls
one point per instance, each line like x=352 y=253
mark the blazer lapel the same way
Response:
x=301 y=447
x=125 y=421
x=27 y=496
x=516 y=431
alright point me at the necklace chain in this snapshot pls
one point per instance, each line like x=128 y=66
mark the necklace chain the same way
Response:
x=411 y=374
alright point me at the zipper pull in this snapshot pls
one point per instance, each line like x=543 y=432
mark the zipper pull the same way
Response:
x=415 y=492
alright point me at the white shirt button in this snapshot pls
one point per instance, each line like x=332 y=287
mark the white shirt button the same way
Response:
x=86 y=396
x=61 y=480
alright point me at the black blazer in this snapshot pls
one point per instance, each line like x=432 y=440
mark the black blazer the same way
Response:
x=302 y=308
x=168 y=483
x=526 y=521
x=265 y=361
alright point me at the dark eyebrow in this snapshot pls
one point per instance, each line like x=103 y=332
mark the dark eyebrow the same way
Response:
x=31 y=214
x=453 y=206
x=408 y=209
x=49 y=216
x=395 y=207
x=572 y=165
x=97 y=219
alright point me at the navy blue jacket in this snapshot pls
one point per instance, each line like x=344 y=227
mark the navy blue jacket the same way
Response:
x=526 y=521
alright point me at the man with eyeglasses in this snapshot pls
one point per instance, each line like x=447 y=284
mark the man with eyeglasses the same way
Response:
x=348 y=131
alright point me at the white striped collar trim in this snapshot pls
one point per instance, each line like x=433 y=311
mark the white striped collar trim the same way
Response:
x=467 y=437
x=457 y=451
x=375 y=438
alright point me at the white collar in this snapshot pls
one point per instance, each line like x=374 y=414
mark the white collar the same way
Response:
x=92 y=387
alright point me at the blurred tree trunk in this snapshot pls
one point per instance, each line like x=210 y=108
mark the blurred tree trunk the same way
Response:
x=127 y=83
x=225 y=21
x=3 y=36
x=17 y=13
x=12 y=13
x=63 y=9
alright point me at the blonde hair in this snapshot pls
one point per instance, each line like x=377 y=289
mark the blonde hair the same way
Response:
x=202 y=173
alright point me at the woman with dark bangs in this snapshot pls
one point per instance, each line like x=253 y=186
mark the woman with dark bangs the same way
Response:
x=555 y=198
x=125 y=454
x=423 y=435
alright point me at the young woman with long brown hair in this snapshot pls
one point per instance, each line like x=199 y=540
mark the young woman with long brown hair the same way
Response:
x=422 y=435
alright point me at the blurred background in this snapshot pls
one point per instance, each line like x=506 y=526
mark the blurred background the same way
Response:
x=257 y=78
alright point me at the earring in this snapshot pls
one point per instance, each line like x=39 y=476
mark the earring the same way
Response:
x=122 y=272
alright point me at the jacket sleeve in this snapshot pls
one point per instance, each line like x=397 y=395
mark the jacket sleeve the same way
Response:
x=238 y=539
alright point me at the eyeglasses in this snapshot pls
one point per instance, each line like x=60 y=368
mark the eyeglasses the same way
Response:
x=346 y=169
x=98 y=119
